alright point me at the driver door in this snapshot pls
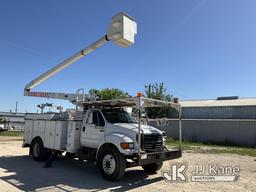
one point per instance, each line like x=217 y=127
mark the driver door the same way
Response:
x=93 y=129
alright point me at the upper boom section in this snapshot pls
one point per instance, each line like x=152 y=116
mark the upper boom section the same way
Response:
x=65 y=63
x=122 y=31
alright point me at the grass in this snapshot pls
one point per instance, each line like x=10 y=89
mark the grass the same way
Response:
x=212 y=148
x=186 y=145
x=11 y=133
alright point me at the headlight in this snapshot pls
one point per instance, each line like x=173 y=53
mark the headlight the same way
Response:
x=164 y=138
x=164 y=134
x=127 y=145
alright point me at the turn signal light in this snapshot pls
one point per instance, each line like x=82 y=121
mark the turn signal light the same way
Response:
x=127 y=145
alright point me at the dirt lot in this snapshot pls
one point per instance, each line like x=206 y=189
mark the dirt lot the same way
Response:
x=18 y=172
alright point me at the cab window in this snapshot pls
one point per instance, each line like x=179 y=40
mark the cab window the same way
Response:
x=89 y=119
x=101 y=120
x=95 y=117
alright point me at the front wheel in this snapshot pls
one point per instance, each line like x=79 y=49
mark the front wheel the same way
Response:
x=112 y=164
x=152 y=168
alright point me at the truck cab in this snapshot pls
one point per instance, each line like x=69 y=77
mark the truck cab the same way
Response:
x=116 y=126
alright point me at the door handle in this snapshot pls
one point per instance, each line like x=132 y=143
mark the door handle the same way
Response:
x=102 y=130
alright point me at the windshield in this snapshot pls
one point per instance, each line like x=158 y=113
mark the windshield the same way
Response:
x=117 y=116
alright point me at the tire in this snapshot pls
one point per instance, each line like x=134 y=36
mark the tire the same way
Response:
x=152 y=168
x=112 y=164
x=38 y=151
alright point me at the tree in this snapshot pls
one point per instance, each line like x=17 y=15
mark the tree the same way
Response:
x=2 y=120
x=157 y=91
x=109 y=93
x=154 y=91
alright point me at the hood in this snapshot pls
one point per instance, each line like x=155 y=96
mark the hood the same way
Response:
x=146 y=129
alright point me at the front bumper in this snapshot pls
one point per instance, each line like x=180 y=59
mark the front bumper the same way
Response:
x=149 y=158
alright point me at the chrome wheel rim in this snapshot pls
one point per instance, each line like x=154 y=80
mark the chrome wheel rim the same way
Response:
x=109 y=164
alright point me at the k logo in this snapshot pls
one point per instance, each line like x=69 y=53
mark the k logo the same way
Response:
x=176 y=173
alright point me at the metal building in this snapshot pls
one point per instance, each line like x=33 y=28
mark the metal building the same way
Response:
x=230 y=120
x=14 y=121
x=220 y=108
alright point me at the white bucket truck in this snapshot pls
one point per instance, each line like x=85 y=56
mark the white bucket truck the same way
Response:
x=99 y=131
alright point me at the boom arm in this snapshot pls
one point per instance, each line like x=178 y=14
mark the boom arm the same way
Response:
x=121 y=31
x=66 y=63
x=65 y=96
x=72 y=97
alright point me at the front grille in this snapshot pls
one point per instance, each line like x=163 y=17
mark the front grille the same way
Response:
x=151 y=142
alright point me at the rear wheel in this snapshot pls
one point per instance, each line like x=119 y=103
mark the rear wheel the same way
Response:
x=112 y=164
x=152 y=168
x=38 y=151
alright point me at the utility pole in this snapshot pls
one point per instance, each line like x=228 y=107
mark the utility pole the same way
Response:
x=16 y=107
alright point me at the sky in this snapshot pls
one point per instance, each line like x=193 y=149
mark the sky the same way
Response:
x=199 y=48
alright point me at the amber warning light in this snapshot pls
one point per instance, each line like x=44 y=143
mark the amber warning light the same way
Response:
x=139 y=94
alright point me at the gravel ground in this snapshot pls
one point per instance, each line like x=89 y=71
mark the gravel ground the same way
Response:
x=18 y=172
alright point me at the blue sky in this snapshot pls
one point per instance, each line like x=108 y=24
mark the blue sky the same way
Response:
x=198 y=48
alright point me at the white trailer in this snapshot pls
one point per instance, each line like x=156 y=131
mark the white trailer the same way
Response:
x=101 y=131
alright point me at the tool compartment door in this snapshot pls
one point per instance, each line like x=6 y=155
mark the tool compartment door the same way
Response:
x=28 y=131
x=49 y=134
x=61 y=130
x=38 y=129
x=73 y=136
